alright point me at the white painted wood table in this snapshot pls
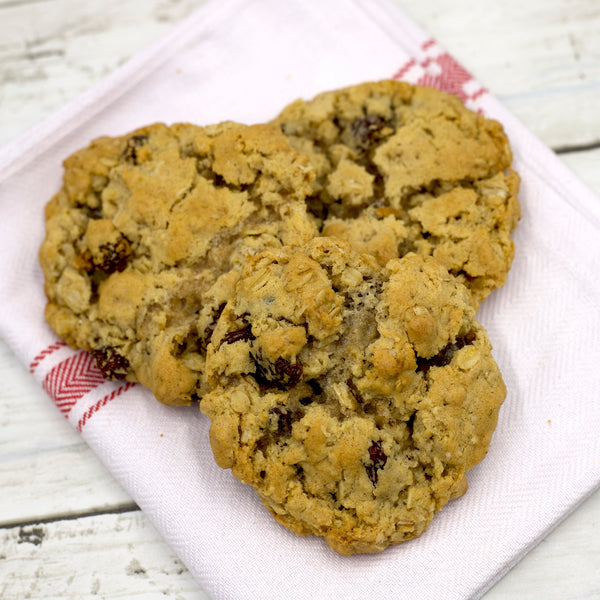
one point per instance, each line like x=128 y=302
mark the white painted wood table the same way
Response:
x=67 y=530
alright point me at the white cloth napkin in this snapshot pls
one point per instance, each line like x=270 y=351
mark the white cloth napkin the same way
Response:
x=243 y=60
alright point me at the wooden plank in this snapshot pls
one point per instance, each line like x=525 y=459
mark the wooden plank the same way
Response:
x=45 y=466
x=108 y=556
x=52 y=51
x=540 y=59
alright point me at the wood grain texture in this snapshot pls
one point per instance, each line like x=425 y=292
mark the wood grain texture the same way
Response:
x=541 y=58
x=93 y=557
x=51 y=51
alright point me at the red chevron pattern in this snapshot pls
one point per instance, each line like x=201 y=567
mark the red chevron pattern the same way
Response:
x=71 y=379
x=103 y=402
x=451 y=79
x=443 y=72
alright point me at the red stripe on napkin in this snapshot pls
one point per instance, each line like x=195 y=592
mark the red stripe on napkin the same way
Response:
x=92 y=410
x=440 y=70
x=71 y=379
x=44 y=354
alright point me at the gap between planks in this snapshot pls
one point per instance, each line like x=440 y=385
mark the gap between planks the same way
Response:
x=567 y=149
x=15 y=3
x=71 y=516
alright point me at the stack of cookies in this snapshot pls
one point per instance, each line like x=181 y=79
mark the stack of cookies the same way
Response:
x=313 y=284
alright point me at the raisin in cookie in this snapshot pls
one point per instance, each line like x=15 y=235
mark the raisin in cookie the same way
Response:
x=406 y=168
x=147 y=234
x=353 y=398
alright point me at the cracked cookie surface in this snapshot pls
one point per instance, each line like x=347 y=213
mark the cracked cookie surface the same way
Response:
x=353 y=398
x=145 y=238
x=406 y=168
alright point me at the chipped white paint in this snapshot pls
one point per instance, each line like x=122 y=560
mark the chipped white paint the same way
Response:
x=542 y=58
x=52 y=50
x=108 y=556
